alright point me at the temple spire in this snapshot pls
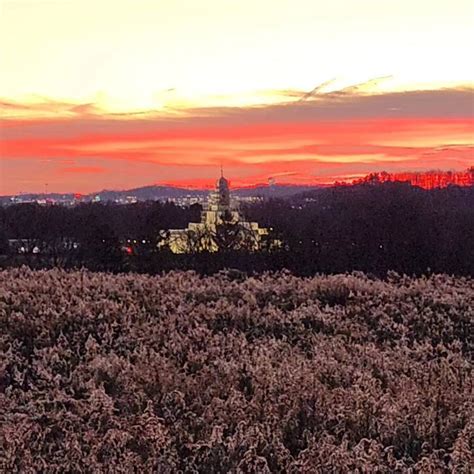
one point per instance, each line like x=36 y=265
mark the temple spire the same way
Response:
x=223 y=190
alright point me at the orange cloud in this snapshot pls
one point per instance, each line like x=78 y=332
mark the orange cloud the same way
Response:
x=82 y=170
x=316 y=140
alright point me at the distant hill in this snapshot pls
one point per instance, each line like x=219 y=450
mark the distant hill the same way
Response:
x=275 y=190
x=161 y=193
x=427 y=180
x=170 y=192
x=153 y=193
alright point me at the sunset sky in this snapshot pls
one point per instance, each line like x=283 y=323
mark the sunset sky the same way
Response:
x=117 y=94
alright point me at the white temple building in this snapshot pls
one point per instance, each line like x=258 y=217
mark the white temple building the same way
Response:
x=220 y=221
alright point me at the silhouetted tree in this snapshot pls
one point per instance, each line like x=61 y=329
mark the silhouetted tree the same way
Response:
x=373 y=227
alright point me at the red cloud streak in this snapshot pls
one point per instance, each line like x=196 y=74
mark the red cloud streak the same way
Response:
x=124 y=155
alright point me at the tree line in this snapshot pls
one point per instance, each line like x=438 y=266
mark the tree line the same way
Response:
x=371 y=227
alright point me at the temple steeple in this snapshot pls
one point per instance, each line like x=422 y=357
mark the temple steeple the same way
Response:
x=223 y=192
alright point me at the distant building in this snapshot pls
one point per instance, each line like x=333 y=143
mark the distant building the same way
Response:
x=221 y=225
x=24 y=246
x=37 y=246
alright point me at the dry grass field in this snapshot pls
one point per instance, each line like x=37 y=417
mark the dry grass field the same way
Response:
x=274 y=373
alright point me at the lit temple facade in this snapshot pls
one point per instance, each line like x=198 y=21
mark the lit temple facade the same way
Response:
x=221 y=227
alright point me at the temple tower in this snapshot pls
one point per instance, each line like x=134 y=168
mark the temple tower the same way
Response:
x=223 y=192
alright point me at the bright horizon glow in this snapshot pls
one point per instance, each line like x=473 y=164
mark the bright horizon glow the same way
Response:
x=137 y=53
x=102 y=69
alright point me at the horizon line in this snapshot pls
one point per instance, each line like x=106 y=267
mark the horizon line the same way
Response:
x=352 y=179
